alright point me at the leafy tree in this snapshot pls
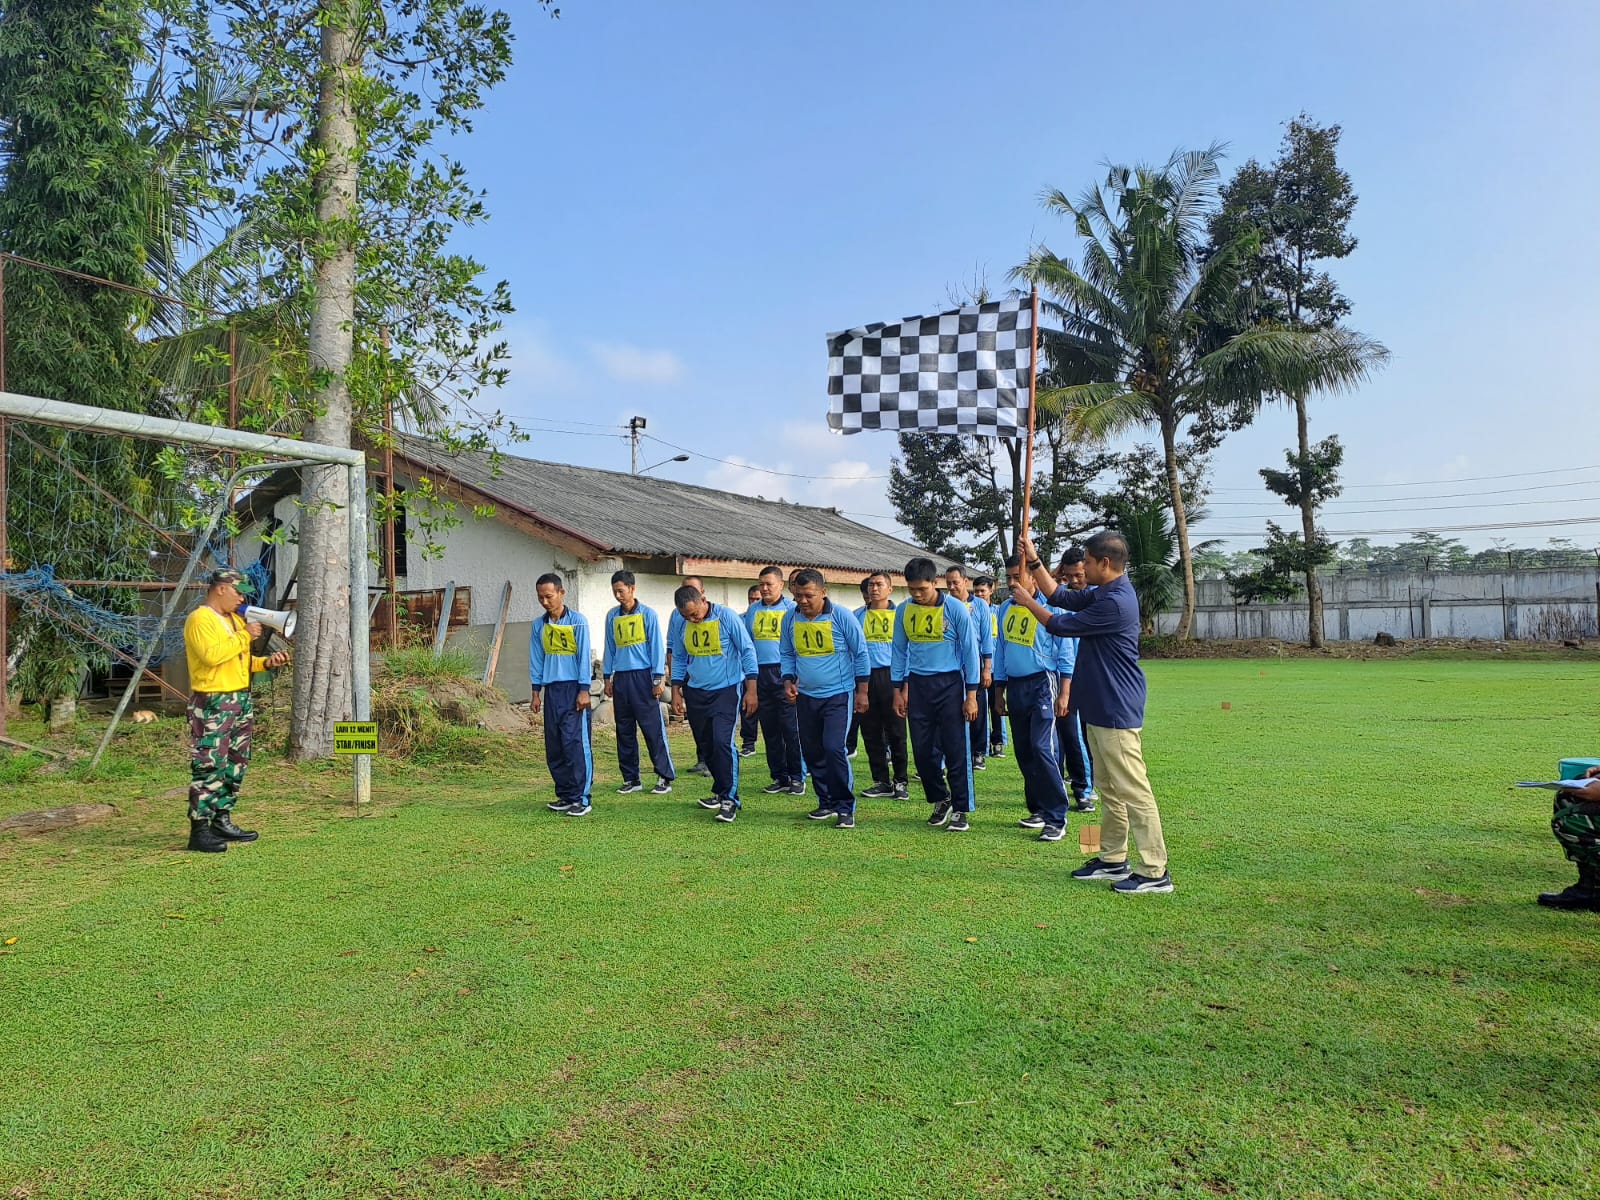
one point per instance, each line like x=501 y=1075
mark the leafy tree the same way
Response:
x=1150 y=319
x=74 y=194
x=1265 y=576
x=1152 y=554
x=343 y=225
x=1299 y=210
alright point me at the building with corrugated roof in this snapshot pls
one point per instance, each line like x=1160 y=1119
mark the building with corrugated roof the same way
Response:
x=583 y=524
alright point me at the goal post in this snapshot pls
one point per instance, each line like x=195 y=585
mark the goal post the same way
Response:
x=285 y=452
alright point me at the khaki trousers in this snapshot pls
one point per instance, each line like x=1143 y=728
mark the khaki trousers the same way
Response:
x=1126 y=799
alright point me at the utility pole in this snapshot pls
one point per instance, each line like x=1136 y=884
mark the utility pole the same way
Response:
x=635 y=424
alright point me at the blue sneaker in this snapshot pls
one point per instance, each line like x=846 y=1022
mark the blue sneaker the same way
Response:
x=1135 y=884
x=1097 y=869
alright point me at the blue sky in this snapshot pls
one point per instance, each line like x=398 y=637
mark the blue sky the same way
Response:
x=688 y=197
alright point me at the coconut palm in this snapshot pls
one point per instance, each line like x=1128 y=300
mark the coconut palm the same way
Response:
x=1151 y=329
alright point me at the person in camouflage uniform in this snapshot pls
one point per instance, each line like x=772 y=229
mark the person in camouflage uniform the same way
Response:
x=216 y=642
x=1576 y=824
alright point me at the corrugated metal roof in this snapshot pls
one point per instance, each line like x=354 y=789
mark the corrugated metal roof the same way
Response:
x=641 y=516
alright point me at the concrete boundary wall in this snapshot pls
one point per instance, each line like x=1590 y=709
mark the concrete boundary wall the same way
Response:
x=1553 y=604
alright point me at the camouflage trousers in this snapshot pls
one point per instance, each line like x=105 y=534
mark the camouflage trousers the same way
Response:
x=1577 y=828
x=219 y=736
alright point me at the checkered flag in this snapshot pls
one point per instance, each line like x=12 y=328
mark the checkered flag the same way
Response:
x=961 y=372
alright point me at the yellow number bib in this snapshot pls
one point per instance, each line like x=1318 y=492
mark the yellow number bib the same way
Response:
x=813 y=641
x=560 y=639
x=1021 y=626
x=628 y=630
x=768 y=623
x=994 y=623
x=924 y=624
x=878 y=624
x=703 y=640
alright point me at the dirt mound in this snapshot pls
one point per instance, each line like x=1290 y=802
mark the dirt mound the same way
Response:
x=407 y=708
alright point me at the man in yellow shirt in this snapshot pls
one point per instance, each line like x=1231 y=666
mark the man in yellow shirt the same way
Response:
x=216 y=641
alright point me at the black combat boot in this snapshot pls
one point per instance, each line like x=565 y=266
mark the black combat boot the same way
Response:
x=204 y=839
x=1583 y=896
x=222 y=825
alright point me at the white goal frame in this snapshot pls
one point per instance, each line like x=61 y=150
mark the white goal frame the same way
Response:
x=38 y=411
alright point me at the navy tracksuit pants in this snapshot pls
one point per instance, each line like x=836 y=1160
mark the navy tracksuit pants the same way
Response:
x=637 y=710
x=1077 y=767
x=1031 y=703
x=714 y=717
x=779 y=726
x=824 y=725
x=566 y=742
x=939 y=738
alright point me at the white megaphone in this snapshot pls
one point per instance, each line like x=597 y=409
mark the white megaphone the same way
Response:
x=283 y=621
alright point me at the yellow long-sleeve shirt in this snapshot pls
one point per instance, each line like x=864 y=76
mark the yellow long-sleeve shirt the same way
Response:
x=217 y=646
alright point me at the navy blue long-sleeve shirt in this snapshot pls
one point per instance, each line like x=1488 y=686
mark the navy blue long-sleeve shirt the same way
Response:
x=1107 y=685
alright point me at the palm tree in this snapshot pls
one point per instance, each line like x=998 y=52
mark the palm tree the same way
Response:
x=1150 y=322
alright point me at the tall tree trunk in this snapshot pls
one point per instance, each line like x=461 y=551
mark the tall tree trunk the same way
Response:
x=1308 y=524
x=1019 y=519
x=1180 y=522
x=322 y=693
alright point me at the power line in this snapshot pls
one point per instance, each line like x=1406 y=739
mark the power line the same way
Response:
x=752 y=467
x=1535 y=487
x=1562 y=521
x=1367 y=512
x=1444 y=482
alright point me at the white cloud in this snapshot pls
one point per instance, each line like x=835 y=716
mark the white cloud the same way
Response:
x=634 y=364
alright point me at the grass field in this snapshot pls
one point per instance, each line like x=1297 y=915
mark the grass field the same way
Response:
x=1351 y=993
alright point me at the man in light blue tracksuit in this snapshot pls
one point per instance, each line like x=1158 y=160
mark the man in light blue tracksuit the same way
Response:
x=764 y=623
x=934 y=669
x=634 y=666
x=712 y=656
x=958 y=584
x=1033 y=669
x=823 y=656
x=560 y=669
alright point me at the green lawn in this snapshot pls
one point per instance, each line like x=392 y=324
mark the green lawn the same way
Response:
x=1351 y=993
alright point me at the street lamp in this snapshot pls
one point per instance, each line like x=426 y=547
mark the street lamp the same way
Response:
x=662 y=463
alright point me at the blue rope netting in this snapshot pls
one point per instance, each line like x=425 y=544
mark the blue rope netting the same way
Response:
x=38 y=588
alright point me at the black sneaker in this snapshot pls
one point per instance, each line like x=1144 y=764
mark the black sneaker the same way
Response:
x=700 y=769
x=1084 y=805
x=819 y=814
x=578 y=809
x=1135 y=884
x=662 y=787
x=628 y=789
x=997 y=751
x=558 y=805
x=727 y=812
x=1032 y=821
x=941 y=814
x=958 y=823
x=879 y=791
x=978 y=763
x=1099 y=869
x=846 y=821
x=797 y=788
x=746 y=751
x=776 y=788
x=1052 y=833
x=902 y=792
x=709 y=802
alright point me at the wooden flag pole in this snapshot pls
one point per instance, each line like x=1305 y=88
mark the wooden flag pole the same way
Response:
x=1033 y=398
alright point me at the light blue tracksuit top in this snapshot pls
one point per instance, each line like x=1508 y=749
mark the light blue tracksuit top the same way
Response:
x=762 y=618
x=558 y=650
x=879 y=654
x=724 y=655
x=625 y=651
x=1042 y=651
x=981 y=610
x=955 y=647
x=826 y=655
